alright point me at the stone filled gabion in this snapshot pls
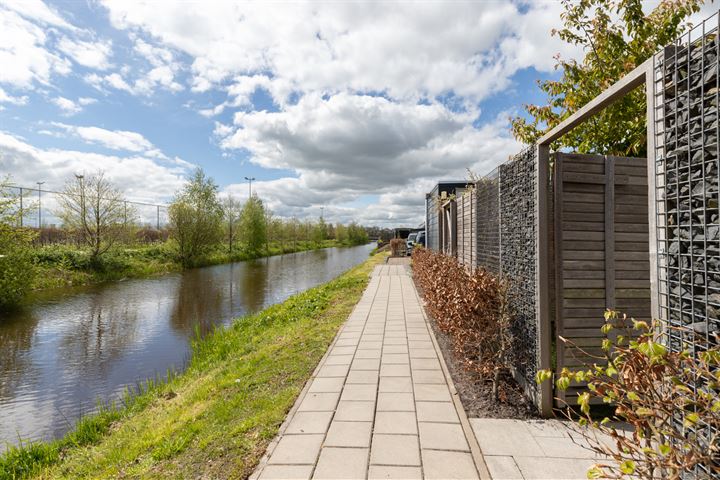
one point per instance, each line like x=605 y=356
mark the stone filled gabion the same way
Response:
x=488 y=229
x=517 y=254
x=687 y=170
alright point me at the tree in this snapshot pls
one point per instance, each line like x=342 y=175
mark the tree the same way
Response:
x=17 y=269
x=196 y=218
x=357 y=234
x=319 y=231
x=232 y=209
x=617 y=36
x=94 y=208
x=253 y=224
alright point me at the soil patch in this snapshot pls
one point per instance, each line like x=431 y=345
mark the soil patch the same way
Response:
x=475 y=390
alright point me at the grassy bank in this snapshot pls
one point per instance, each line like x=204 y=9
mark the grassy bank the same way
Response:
x=215 y=419
x=62 y=266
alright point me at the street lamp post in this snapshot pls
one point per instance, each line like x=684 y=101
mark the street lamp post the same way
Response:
x=250 y=180
x=39 y=184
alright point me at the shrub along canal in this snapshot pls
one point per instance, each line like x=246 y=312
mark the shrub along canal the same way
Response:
x=71 y=348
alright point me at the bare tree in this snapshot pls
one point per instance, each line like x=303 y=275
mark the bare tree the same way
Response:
x=96 y=210
x=232 y=209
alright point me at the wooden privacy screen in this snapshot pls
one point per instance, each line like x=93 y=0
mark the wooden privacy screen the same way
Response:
x=467 y=225
x=601 y=249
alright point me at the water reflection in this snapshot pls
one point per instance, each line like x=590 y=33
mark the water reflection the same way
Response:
x=75 y=346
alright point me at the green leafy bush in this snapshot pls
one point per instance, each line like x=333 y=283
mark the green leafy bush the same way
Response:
x=669 y=398
x=16 y=265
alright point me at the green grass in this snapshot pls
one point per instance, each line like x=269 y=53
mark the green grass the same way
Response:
x=64 y=266
x=216 y=419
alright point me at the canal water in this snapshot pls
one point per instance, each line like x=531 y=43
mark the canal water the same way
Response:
x=73 y=347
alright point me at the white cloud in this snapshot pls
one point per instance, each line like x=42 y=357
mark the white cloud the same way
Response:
x=405 y=49
x=140 y=177
x=67 y=106
x=88 y=54
x=38 y=11
x=23 y=53
x=7 y=98
x=112 y=139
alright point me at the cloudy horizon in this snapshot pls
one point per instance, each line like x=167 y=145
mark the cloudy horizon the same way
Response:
x=355 y=107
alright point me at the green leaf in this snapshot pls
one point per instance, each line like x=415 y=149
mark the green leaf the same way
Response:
x=584 y=402
x=633 y=396
x=691 y=419
x=627 y=467
x=543 y=375
x=606 y=328
x=664 y=448
x=594 y=472
x=645 y=412
x=563 y=383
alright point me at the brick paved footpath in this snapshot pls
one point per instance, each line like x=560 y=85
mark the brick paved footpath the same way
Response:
x=380 y=404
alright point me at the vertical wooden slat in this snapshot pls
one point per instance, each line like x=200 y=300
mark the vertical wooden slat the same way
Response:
x=559 y=281
x=609 y=231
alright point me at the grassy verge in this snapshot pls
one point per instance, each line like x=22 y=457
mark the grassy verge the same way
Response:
x=216 y=419
x=63 y=266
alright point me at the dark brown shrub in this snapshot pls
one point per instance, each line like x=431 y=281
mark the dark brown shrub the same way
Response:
x=471 y=308
x=398 y=247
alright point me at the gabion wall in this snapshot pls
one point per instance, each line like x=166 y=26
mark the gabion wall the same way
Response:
x=686 y=173
x=687 y=181
x=518 y=250
x=488 y=229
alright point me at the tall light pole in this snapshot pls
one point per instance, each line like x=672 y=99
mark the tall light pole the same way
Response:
x=250 y=180
x=39 y=184
x=82 y=201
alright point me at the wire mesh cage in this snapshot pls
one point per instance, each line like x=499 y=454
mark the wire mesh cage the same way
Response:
x=517 y=194
x=488 y=230
x=686 y=91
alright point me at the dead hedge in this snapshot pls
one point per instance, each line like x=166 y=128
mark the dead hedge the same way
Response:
x=471 y=308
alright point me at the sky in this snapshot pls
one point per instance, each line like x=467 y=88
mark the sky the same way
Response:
x=355 y=108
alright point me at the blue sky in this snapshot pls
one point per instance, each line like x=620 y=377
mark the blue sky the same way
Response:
x=355 y=107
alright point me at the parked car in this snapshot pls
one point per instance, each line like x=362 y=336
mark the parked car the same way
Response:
x=410 y=243
x=420 y=239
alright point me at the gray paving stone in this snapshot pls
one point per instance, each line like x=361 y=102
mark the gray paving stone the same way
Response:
x=393 y=370
x=396 y=358
x=342 y=463
x=395 y=384
x=365 y=345
x=297 y=449
x=338 y=360
x=363 y=376
x=395 y=341
x=396 y=334
x=319 y=402
x=365 y=364
x=396 y=422
x=504 y=437
x=358 y=391
x=346 y=343
x=422 y=353
x=349 y=434
x=503 y=467
x=375 y=353
x=443 y=436
x=436 y=412
x=444 y=465
x=420 y=345
x=425 y=364
x=342 y=350
x=383 y=472
x=324 y=385
x=309 y=422
x=333 y=371
x=401 y=450
x=372 y=337
x=539 y=468
x=286 y=472
x=395 y=349
x=429 y=376
x=432 y=393
x=395 y=402
x=355 y=411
